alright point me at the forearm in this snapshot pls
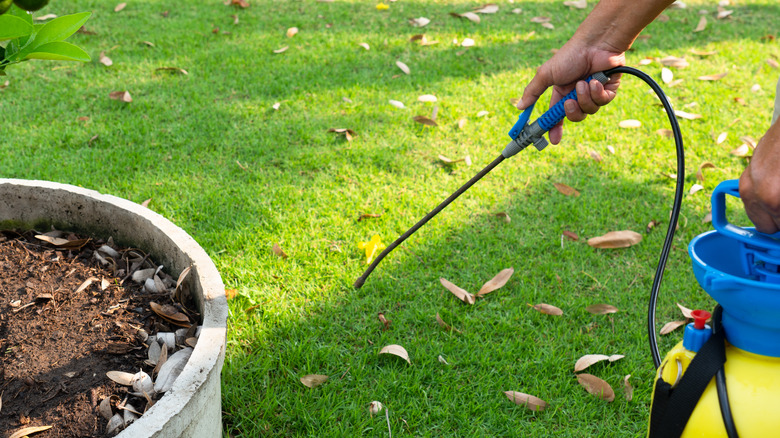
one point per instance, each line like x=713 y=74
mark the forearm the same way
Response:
x=613 y=25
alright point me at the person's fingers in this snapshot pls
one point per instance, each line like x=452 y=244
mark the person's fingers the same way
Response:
x=764 y=217
x=584 y=98
x=538 y=85
x=556 y=133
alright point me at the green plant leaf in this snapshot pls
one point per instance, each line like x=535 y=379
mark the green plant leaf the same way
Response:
x=16 y=11
x=60 y=28
x=13 y=27
x=60 y=51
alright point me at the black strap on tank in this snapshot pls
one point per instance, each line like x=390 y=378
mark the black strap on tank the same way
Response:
x=672 y=407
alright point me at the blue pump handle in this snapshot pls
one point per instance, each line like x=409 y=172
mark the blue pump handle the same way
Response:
x=521 y=122
x=746 y=235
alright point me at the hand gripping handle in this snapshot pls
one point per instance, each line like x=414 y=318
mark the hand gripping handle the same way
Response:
x=554 y=115
x=719 y=221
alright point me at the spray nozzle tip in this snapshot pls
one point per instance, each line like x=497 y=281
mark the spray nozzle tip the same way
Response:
x=700 y=317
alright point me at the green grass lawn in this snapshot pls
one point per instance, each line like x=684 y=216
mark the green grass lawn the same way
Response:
x=216 y=158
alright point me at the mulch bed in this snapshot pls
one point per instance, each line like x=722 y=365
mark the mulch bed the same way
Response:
x=58 y=338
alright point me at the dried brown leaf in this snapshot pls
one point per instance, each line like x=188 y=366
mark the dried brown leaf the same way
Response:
x=571 y=235
x=671 y=326
x=742 y=151
x=385 y=322
x=462 y=294
x=627 y=388
x=365 y=46
x=471 y=16
x=120 y=6
x=496 y=282
x=772 y=63
x=313 y=380
x=170 y=313
x=489 y=8
x=505 y=216
x=427 y=98
x=105 y=60
x=123 y=96
x=529 y=401
x=291 y=32
x=601 y=309
x=595 y=155
x=630 y=123
x=444 y=325
x=721 y=137
x=425 y=121
x=419 y=22
x=687 y=115
x=566 y=190
x=396 y=350
x=368 y=216
x=665 y=132
x=685 y=311
x=348 y=133
x=673 y=61
x=29 y=431
x=579 y=4
x=596 y=386
x=85 y=284
x=715 y=77
x=547 y=309
x=588 y=360
x=666 y=75
x=702 y=24
x=404 y=68
x=278 y=251
x=616 y=239
x=281 y=49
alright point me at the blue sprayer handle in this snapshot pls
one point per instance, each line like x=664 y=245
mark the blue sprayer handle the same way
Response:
x=719 y=221
x=554 y=115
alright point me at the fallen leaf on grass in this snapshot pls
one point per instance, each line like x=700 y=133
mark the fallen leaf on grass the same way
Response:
x=471 y=16
x=446 y=160
x=365 y=46
x=772 y=63
x=278 y=251
x=627 y=388
x=671 y=326
x=715 y=77
x=547 y=309
x=368 y=215
x=490 y=8
x=721 y=138
x=397 y=104
x=666 y=75
x=281 y=49
x=372 y=247
x=348 y=133
x=105 y=60
x=313 y=380
x=396 y=350
x=687 y=115
x=601 y=309
x=123 y=96
x=595 y=155
x=702 y=24
x=119 y=7
x=404 y=68
x=566 y=190
x=176 y=70
x=695 y=188
x=496 y=282
x=630 y=123
x=427 y=98
x=29 y=431
x=529 y=401
x=425 y=121
x=724 y=13
x=385 y=322
x=596 y=386
x=444 y=325
x=505 y=216
x=468 y=42
x=540 y=20
x=742 y=151
x=685 y=311
x=616 y=239
x=419 y=22
x=673 y=61
x=579 y=4
x=570 y=235
x=291 y=32
x=591 y=359
x=238 y=3
x=462 y=294
x=702 y=166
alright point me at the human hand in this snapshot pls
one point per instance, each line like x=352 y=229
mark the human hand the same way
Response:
x=564 y=71
x=759 y=185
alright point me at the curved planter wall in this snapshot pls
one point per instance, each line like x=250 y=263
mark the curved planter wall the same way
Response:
x=192 y=408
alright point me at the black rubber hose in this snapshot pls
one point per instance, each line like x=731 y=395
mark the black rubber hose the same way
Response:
x=720 y=383
x=359 y=282
x=678 y=195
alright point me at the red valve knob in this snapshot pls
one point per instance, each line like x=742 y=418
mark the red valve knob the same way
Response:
x=699 y=318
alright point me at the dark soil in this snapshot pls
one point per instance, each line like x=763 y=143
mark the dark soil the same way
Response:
x=57 y=342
